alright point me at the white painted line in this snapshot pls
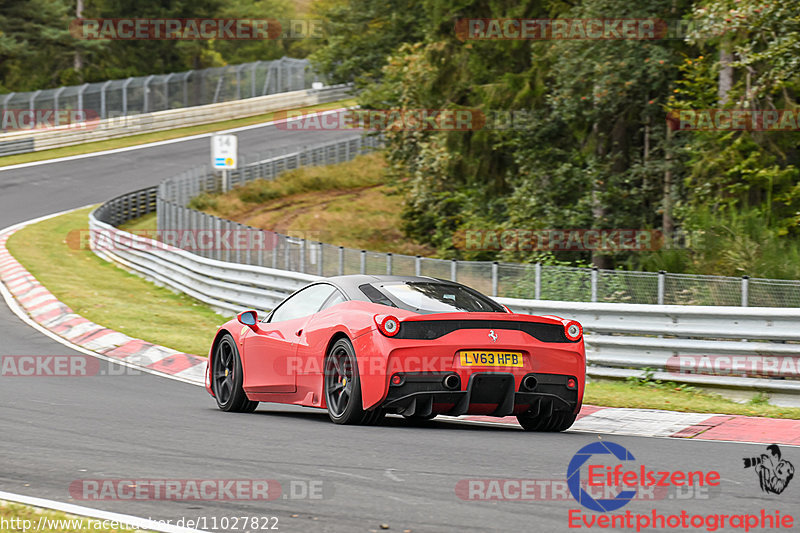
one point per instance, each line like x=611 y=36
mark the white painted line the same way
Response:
x=128 y=520
x=154 y=144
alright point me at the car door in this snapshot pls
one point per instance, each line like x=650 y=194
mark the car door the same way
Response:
x=310 y=345
x=269 y=358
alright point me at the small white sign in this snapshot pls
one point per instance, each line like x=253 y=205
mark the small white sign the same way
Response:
x=224 y=152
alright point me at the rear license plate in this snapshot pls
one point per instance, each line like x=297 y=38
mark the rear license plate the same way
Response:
x=490 y=359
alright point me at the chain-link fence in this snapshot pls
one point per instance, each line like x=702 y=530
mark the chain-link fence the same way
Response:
x=533 y=281
x=146 y=94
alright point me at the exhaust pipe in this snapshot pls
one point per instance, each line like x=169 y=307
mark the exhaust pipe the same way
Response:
x=529 y=382
x=451 y=381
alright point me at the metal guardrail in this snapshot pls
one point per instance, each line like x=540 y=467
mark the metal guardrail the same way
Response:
x=17 y=146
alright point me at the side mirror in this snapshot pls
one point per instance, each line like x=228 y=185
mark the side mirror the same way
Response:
x=248 y=318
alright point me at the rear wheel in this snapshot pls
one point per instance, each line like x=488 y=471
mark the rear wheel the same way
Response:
x=558 y=421
x=226 y=378
x=343 y=387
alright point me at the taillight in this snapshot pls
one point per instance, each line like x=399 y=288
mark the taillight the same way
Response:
x=388 y=325
x=573 y=330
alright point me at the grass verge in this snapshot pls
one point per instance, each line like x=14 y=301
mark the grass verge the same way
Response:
x=116 y=299
x=328 y=204
x=22 y=518
x=144 y=138
x=108 y=295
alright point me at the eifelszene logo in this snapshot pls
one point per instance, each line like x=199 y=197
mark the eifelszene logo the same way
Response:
x=625 y=476
x=774 y=473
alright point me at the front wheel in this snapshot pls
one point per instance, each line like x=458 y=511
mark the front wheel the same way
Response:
x=343 y=387
x=226 y=378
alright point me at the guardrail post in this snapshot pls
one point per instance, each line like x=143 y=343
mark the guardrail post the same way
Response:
x=662 y=276
x=320 y=269
x=537 y=281
x=276 y=244
x=286 y=243
x=494 y=278
x=453 y=270
x=363 y=268
x=418 y=265
x=389 y=264
x=745 y=290
x=594 y=283
x=341 y=260
x=302 y=255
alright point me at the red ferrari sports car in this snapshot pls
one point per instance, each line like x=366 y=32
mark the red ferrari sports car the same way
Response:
x=362 y=346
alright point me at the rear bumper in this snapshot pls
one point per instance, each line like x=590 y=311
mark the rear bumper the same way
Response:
x=486 y=393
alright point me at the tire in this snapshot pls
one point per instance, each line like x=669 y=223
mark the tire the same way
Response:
x=343 y=387
x=227 y=376
x=558 y=421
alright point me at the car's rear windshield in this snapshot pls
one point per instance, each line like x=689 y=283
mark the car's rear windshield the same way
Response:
x=430 y=297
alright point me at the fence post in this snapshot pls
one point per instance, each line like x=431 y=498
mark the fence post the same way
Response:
x=745 y=290
x=55 y=105
x=145 y=97
x=594 y=283
x=453 y=270
x=363 y=268
x=319 y=259
x=103 y=110
x=303 y=256
x=389 y=264
x=417 y=265
x=5 y=101
x=341 y=260
x=494 y=278
x=285 y=252
x=125 y=97
x=537 y=281
x=32 y=101
x=662 y=275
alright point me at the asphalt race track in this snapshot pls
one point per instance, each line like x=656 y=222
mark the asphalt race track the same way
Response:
x=59 y=430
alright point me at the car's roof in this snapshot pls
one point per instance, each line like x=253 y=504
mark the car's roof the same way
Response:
x=349 y=284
